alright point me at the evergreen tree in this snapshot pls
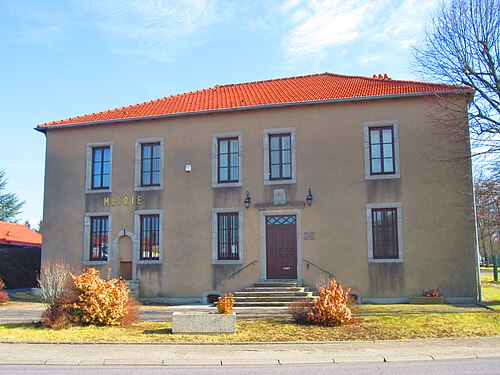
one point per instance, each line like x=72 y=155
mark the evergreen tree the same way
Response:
x=10 y=203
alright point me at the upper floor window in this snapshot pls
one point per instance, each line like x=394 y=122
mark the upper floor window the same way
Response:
x=98 y=168
x=385 y=232
x=279 y=156
x=227 y=159
x=99 y=238
x=381 y=150
x=150 y=237
x=101 y=167
x=149 y=164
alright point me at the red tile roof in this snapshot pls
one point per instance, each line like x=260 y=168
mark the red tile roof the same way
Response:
x=18 y=234
x=284 y=91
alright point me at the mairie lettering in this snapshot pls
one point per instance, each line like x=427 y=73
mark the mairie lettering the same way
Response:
x=123 y=201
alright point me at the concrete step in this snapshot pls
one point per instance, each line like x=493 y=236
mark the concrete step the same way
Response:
x=277 y=289
x=285 y=284
x=264 y=304
x=280 y=293
x=273 y=294
x=271 y=299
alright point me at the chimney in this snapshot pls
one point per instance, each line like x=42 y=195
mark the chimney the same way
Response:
x=383 y=77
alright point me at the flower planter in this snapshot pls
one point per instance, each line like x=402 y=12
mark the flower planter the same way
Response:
x=203 y=322
x=427 y=300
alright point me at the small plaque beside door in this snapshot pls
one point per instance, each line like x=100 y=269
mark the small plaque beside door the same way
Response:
x=308 y=235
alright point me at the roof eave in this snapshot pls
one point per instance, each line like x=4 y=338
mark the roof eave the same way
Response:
x=20 y=243
x=246 y=108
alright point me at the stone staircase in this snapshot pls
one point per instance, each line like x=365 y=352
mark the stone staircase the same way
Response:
x=272 y=294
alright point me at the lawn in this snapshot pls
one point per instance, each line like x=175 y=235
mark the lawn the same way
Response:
x=490 y=290
x=371 y=322
x=366 y=327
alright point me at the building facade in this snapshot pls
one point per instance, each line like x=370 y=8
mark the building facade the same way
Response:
x=20 y=255
x=299 y=178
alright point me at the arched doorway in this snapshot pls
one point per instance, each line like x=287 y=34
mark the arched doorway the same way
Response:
x=125 y=253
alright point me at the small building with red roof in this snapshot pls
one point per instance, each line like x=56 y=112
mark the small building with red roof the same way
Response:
x=20 y=256
x=294 y=179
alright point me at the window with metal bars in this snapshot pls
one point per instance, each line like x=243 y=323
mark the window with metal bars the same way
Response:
x=150 y=237
x=150 y=164
x=228 y=236
x=101 y=167
x=99 y=238
x=382 y=160
x=385 y=233
x=280 y=156
x=228 y=160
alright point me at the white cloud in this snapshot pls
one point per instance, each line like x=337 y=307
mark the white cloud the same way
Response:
x=370 y=58
x=36 y=25
x=318 y=28
x=407 y=21
x=153 y=28
x=321 y=24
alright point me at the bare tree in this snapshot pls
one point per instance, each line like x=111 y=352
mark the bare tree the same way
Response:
x=462 y=47
x=488 y=216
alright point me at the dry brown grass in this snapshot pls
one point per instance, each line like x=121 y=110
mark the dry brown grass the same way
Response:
x=369 y=327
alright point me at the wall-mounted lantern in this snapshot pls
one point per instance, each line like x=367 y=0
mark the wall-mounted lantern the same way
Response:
x=247 y=200
x=309 y=198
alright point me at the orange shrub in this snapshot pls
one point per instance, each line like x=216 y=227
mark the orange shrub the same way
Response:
x=332 y=306
x=431 y=293
x=59 y=314
x=330 y=309
x=299 y=311
x=103 y=302
x=4 y=297
x=225 y=305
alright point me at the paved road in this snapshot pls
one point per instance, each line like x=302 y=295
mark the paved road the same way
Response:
x=456 y=367
x=248 y=354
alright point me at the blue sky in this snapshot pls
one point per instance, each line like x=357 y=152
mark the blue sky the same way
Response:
x=62 y=58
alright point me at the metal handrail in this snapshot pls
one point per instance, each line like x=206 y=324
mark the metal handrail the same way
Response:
x=241 y=269
x=318 y=267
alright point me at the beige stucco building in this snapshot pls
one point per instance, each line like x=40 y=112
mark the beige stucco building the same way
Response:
x=299 y=178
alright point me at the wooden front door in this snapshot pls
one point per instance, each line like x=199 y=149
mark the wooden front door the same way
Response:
x=281 y=247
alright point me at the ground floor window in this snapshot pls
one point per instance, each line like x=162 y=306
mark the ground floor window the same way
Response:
x=228 y=236
x=385 y=232
x=150 y=237
x=99 y=238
